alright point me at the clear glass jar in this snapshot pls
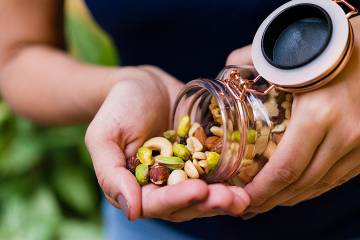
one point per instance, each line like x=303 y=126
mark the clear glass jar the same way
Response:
x=252 y=125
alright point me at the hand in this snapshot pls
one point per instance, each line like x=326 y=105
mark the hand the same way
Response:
x=321 y=147
x=137 y=108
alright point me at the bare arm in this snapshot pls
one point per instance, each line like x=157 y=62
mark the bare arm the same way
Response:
x=37 y=78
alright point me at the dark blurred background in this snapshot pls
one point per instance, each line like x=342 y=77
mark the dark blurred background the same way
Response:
x=48 y=189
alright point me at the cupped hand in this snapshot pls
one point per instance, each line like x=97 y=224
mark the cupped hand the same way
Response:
x=320 y=150
x=138 y=107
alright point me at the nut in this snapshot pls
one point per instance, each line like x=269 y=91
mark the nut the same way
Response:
x=194 y=145
x=214 y=144
x=215 y=110
x=200 y=135
x=181 y=151
x=184 y=126
x=193 y=128
x=203 y=164
x=161 y=144
x=142 y=174
x=177 y=176
x=132 y=163
x=249 y=151
x=170 y=135
x=159 y=174
x=144 y=154
x=251 y=136
x=198 y=168
x=191 y=170
x=272 y=107
x=276 y=137
x=212 y=159
x=170 y=162
x=235 y=136
x=199 y=156
x=217 y=131
x=259 y=125
x=269 y=149
x=248 y=169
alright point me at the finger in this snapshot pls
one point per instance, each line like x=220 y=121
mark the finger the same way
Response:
x=159 y=202
x=222 y=200
x=241 y=56
x=117 y=183
x=289 y=160
x=342 y=172
x=330 y=151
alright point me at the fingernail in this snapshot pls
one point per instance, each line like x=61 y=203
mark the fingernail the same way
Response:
x=124 y=205
x=248 y=216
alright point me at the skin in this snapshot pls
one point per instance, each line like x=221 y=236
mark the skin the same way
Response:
x=321 y=147
x=125 y=106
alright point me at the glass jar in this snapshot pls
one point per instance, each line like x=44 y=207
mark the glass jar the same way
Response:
x=252 y=119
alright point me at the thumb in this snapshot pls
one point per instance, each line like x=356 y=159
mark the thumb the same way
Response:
x=119 y=185
x=241 y=56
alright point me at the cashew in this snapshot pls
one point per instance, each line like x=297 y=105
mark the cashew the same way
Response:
x=199 y=155
x=191 y=170
x=217 y=131
x=161 y=144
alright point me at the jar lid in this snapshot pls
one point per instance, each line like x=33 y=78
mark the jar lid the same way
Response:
x=302 y=44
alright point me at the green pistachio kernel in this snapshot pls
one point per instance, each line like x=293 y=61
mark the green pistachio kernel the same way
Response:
x=251 y=136
x=142 y=174
x=212 y=159
x=235 y=136
x=144 y=154
x=171 y=162
x=184 y=126
x=181 y=151
x=170 y=135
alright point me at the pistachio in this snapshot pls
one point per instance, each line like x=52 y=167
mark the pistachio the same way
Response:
x=170 y=135
x=170 y=162
x=270 y=149
x=212 y=159
x=177 y=176
x=181 y=151
x=251 y=136
x=144 y=154
x=161 y=144
x=217 y=131
x=191 y=170
x=193 y=144
x=184 y=126
x=199 y=155
x=214 y=144
x=198 y=168
x=142 y=174
x=193 y=128
x=200 y=135
x=132 y=163
x=159 y=174
x=235 y=136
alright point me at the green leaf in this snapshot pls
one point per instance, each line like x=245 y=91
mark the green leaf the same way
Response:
x=75 y=187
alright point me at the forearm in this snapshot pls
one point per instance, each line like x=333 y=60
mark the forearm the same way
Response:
x=47 y=86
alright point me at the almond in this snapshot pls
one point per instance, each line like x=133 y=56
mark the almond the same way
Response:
x=200 y=135
x=214 y=144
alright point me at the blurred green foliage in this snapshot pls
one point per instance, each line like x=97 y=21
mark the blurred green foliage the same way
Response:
x=47 y=186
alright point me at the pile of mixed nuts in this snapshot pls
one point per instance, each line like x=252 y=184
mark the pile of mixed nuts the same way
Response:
x=194 y=149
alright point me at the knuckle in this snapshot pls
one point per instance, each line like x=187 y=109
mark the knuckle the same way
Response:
x=286 y=175
x=324 y=183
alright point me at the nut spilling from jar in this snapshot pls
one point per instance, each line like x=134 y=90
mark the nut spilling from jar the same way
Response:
x=194 y=149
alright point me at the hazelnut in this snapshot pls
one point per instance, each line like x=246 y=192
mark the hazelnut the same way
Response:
x=131 y=163
x=159 y=174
